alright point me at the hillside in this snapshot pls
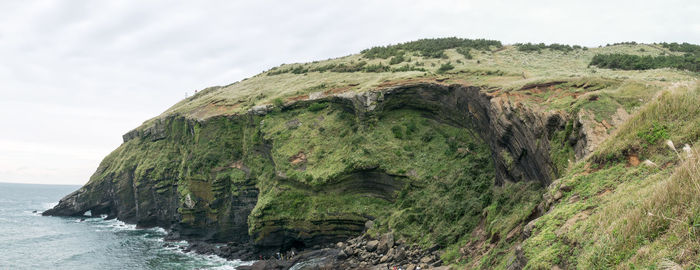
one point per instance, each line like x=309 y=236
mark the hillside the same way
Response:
x=467 y=152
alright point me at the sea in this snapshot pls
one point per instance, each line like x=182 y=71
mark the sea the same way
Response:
x=31 y=241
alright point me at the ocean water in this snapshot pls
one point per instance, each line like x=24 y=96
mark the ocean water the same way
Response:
x=31 y=241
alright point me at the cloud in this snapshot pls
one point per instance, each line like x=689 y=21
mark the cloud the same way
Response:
x=79 y=74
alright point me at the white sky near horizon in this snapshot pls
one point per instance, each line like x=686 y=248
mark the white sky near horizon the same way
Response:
x=76 y=75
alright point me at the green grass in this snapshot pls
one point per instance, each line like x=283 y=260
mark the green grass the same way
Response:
x=629 y=217
x=510 y=63
x=674 y=115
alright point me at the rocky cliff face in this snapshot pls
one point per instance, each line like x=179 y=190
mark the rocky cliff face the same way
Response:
x=314 y=171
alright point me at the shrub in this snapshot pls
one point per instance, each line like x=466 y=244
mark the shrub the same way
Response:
x=317 y=106
x=530 y=47
x=684 y=47
x=397 y=59
x=278 y=102
x=407 y=67
x=635 y=62
x=376 y=68
x=432 y=48
x=654 y=134
x=397 y=131
x=411 y=127
x=465 y=51
x=428 y=136
x=445 y=67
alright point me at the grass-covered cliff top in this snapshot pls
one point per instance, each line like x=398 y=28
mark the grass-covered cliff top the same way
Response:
x=452 y=60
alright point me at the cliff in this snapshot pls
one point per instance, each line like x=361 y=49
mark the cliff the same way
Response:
x=445 y=157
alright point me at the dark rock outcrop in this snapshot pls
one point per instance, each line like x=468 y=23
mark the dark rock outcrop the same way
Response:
x=156 y=178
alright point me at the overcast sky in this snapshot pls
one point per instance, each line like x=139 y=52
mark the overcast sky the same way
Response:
x=76 y=75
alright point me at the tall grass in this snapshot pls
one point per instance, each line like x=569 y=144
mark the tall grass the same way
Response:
x=677 y=111
x=652 y=225
x=655 y=220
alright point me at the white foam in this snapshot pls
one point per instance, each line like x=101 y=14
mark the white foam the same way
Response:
x=159 y=230
x=225 y=267
x=210 y=261
x=49 y=205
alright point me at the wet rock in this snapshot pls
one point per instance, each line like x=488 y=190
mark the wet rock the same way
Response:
x=385 y=243
x=342 y=255
x=427 y=259
x=364 y=256
x=372 y=245
x=349 y=251
x=369 y=224
x=267 y=264
x=400 y=254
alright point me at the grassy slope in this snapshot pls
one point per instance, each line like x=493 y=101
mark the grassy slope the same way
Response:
x=506 y=68
x=622 y=216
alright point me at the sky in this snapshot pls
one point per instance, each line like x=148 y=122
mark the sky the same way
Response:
x=76 y=75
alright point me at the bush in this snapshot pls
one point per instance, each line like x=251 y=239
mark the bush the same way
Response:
x=432 y=48
x=530 y=47
x=684 y=47
x=376 y=68
x=445 y=67
x=397 y=131
x=465 y=51
x=635 y=62
x=407 y=67
x=278 y=102
x=396 y=59
x=428 y=136
x=654 y=134
x=317 y=106
x=411 y=127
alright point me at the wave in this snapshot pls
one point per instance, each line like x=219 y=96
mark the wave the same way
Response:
x=158 y=234
x=48 y=205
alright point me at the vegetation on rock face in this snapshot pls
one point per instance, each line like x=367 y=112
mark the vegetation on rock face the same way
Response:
x=444 y=168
